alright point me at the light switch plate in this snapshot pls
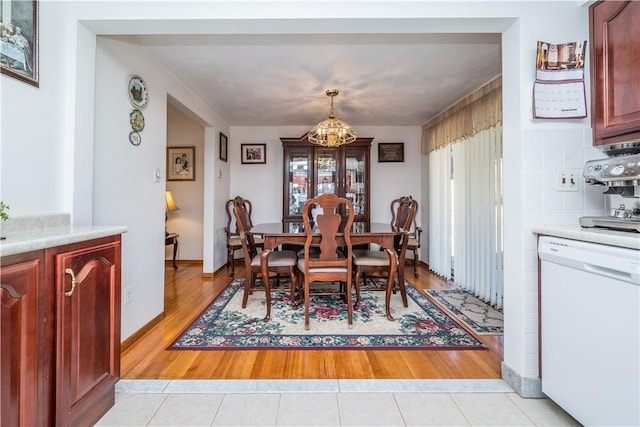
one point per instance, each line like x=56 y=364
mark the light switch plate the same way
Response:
x=157 y=176
x=567 y=179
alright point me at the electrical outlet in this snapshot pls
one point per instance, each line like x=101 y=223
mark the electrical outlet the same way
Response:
x=128 y=294
x=567 y=180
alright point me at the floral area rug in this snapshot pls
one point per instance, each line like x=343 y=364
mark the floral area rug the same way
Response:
x=473 y=312
x=225 y=325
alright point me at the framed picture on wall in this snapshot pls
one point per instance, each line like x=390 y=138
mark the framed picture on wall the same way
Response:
x=19 y=47
x=223 y=147
x=181 y=163
x=391 y=152
x=253 y=153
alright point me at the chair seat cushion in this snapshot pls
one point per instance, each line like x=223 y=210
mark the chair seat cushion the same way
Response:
x=277 y=259
x=321 y=269
x=413 y=243
x=370 y=258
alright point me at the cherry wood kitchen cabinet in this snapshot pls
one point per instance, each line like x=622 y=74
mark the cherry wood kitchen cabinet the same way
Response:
x=61 y=317
x=311 y=170
x=23 y=396
x=615 y=87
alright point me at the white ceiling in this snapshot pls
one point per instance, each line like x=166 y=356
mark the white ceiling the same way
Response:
x=280 y=80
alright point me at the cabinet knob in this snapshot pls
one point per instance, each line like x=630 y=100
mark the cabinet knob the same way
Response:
x=73 y=281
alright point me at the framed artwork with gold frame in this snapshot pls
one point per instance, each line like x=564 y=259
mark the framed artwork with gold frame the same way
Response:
x=181 y=163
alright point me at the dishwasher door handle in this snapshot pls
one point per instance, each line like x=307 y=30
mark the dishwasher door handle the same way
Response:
x=607 y=272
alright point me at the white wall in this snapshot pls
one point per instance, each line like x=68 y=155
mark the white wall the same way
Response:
x=188 y=222
x=55 y=153
x=568 y=22
x=124 y=188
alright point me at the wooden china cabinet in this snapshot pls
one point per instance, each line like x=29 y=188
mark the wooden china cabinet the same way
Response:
x=615 y=87
x=311 y=170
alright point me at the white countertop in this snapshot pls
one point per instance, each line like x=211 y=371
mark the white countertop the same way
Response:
x=30 y=240
x=594 y=235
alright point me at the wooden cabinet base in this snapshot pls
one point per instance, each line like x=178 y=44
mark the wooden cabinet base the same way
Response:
x=100 y=404
x=60 y=334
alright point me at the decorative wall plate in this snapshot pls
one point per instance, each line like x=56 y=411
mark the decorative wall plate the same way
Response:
x=137 y=120
x=138 y=93
x=135 y=138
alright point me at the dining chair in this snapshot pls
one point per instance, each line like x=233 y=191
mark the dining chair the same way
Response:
x=279 y=262
x=327 y=250
x=376 y=262
x=414 y=234
x=233 y=236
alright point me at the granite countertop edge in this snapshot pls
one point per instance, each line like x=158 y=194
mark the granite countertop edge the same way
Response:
x=18 y=242
x=621 y=239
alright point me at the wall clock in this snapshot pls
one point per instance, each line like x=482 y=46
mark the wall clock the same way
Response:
x=138 y=93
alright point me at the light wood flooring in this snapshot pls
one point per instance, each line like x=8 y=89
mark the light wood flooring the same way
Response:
x=187 y=293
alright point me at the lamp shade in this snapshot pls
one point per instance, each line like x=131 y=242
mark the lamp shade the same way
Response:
x=170 y=204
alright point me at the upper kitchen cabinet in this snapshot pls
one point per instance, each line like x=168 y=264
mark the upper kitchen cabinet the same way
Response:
x=311 y=170
x=615 y=72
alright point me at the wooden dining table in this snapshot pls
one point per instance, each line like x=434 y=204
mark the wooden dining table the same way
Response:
x=278 y=233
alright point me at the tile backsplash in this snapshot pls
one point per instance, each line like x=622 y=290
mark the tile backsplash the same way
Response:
x=544 y=153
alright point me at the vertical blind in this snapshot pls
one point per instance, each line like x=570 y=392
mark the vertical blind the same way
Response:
x=464 y=145
x=440 y=211
x=477 y=214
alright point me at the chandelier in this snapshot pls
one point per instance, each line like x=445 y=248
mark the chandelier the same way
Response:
x=332 y=132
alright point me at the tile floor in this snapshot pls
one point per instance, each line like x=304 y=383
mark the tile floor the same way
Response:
x=328 y=403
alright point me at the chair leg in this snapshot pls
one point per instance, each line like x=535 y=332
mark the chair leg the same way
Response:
x=294 y=283
x=415 y=262
x=230 y=262
x=248 y=286
x=356 y=283
x=403 y=293
x=349 y=306
x=306 y=304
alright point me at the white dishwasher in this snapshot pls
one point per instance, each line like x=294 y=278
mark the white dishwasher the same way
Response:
x=590 y=330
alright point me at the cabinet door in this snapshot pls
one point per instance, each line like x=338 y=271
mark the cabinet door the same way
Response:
x=88 y=331
x=356 y=182
x=22 y=394
x=297 y=180
x=327 y=178
x=615 y=39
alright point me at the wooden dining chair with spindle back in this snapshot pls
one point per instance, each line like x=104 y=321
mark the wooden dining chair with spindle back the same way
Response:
x=279 y=262
x=233 y=236
x=415 y=233
x=377 y=263
x=327 y=250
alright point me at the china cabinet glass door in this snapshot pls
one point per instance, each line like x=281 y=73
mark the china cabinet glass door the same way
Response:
x=298 y=180
x=326 y=171
x=354 y=184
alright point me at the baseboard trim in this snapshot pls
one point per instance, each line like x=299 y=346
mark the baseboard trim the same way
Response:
x=530 y=387
x=140 y=332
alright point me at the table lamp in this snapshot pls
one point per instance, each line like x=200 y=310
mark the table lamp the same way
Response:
x=170 y=205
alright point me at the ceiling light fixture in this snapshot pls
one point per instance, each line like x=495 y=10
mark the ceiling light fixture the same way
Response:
x=332 y=132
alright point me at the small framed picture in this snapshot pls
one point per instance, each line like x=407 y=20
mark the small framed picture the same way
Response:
x=391 y=152
x=181 y=163
x=253 y=153
x=223 y=147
